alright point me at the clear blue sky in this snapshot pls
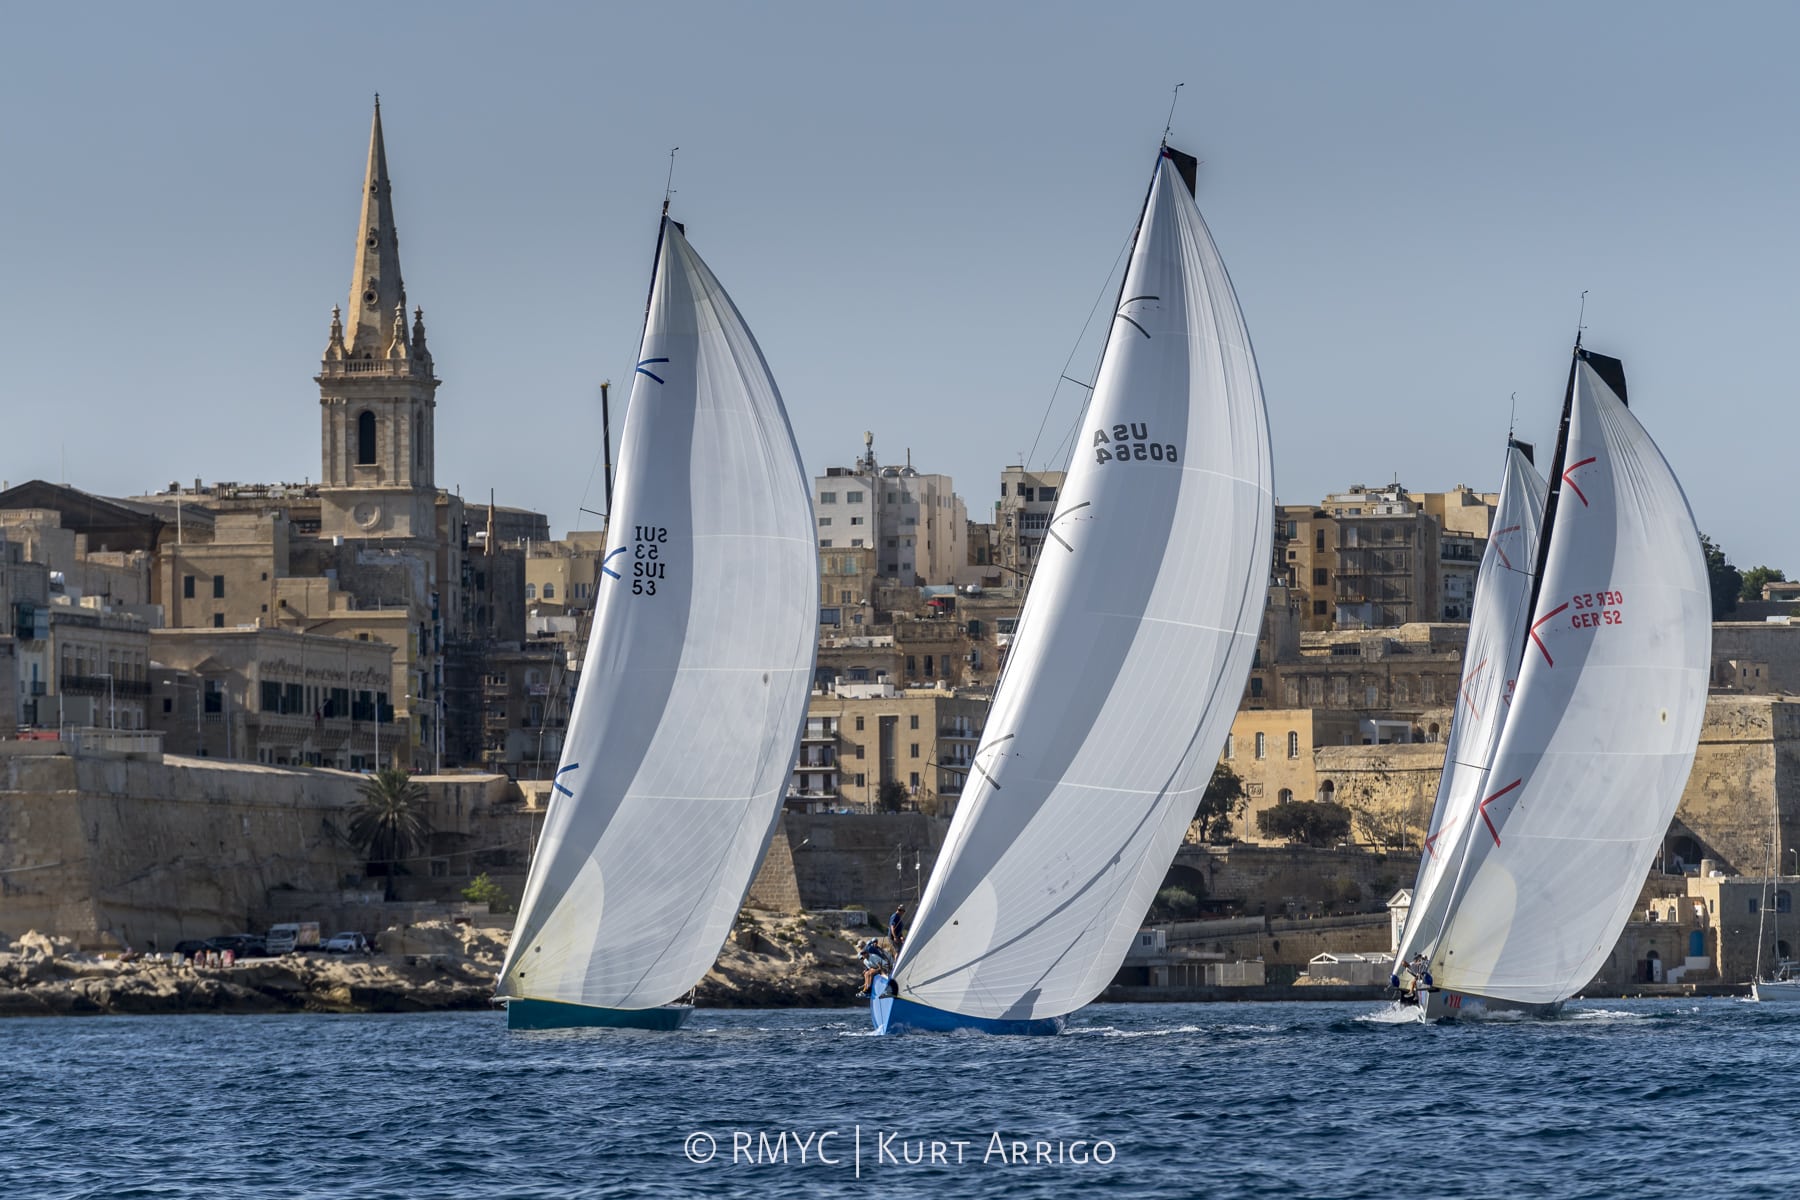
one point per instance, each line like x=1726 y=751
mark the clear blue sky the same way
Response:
x=915 y=207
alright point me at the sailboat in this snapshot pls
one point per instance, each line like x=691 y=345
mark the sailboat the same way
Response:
x=1781 y=984
x=1130 y=655
x=695 y=684
x=1491 y=660
x=1543 y=867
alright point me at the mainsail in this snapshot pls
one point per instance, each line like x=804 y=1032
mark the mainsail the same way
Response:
x=1132 y=650
x=1604 y=721
x=697 y=674
x=1485 y=695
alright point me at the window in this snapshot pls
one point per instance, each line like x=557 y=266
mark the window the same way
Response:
x=218 y=587
x=1256 y=687
x=1319 y=540
x=1029 y=495
x=859 y=723
x=1230 y=746
x=549 y=591
x=913 y=721
x=859 y=749
x=168 y=704
x=1321 y=575
x=827 y=497
x=859 y=781
x=1262 y=749
x=187 y=587
x=1046 y=493
x=844 y=596
x=856 y=521
x=218 y=620
x=1318 y=608
x=915 y=750
x=853 y=497
x=974 y=629
x=531 y=591
x=915 y=781
x=855 y=542
x=831 y=616
x=912 y=665
x=824 y=521
x=365 y=439
x=1293 y=744
x=1286 y=796
x=824 y=543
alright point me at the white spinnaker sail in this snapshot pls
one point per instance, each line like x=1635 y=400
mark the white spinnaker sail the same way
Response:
x=1604 y=721
x=697 y=673
x=1132 y=651
x=1490 y=671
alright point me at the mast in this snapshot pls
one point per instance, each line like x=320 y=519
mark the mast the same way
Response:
x=1556 y=482
x=606 y=433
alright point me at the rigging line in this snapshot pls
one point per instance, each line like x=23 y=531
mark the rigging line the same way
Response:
x=1076 y=348
x=669 y=183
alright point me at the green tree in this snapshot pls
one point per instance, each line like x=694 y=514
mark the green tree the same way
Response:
x=1314 y=822
x=1754 y=579
x=1726 y=580
x=388 y=821
x=891 y=796
x=1222 y=801
x=482 y=890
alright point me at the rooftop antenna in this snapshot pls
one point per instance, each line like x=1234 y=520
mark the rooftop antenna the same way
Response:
x=1578 y=319
x=669 y=183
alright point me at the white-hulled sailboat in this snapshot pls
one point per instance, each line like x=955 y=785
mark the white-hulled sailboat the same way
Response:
x=1599 y=738
x=705 y=625
x=1132 y=650
x=1491 y=659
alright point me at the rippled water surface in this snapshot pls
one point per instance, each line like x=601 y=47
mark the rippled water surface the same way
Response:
x=1614 y=1098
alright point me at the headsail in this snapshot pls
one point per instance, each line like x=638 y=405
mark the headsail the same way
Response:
x=1490 y=671
x=1604 y=722
x=697 y=673
x=1131 y=653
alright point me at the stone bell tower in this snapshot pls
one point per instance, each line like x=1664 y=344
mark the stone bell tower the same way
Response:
x=377 y=390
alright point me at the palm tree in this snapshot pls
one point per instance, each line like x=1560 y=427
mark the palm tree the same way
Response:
x=389 y=821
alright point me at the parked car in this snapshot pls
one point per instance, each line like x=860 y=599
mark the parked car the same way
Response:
x=346 y=943
x=191 y=947
x=243 y=945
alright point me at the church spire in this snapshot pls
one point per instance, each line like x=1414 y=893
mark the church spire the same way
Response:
x=376 y=290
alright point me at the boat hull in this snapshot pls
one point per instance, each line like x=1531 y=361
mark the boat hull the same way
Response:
x=1444 y=1004
x=1779 y=991
x=892 y=1014
x=554 y=1014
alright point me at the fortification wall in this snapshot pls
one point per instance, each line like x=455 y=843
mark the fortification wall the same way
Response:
x=95 y=848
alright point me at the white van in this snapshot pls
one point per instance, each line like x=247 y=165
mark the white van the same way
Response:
x=295 y=935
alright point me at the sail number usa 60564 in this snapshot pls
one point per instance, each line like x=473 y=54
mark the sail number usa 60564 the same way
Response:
x=1130 y=442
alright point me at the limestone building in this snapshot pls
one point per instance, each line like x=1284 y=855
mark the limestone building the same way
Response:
x=861 y=737
x=1027 y=502
x=916 y=523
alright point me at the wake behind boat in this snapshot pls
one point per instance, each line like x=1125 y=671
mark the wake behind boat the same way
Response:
x=706 y=617
x=1131 y=651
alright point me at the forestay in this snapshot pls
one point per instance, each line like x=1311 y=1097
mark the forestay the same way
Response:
x=1132 y=650
x=1604 y=721
x=697 y=674
x=1490 y=671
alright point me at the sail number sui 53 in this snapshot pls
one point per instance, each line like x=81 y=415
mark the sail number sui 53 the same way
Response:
x=1594 y=609
x=1130 y=443
x=646 y=567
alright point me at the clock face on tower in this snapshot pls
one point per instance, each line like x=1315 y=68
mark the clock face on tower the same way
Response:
x=367 y=514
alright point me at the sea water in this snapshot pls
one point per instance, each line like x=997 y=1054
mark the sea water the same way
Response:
x=1613 y=1098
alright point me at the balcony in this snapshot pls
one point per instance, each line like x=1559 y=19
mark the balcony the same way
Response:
x=99 y=685
x=959 y=735
x=818 y=735
x=816 y=762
